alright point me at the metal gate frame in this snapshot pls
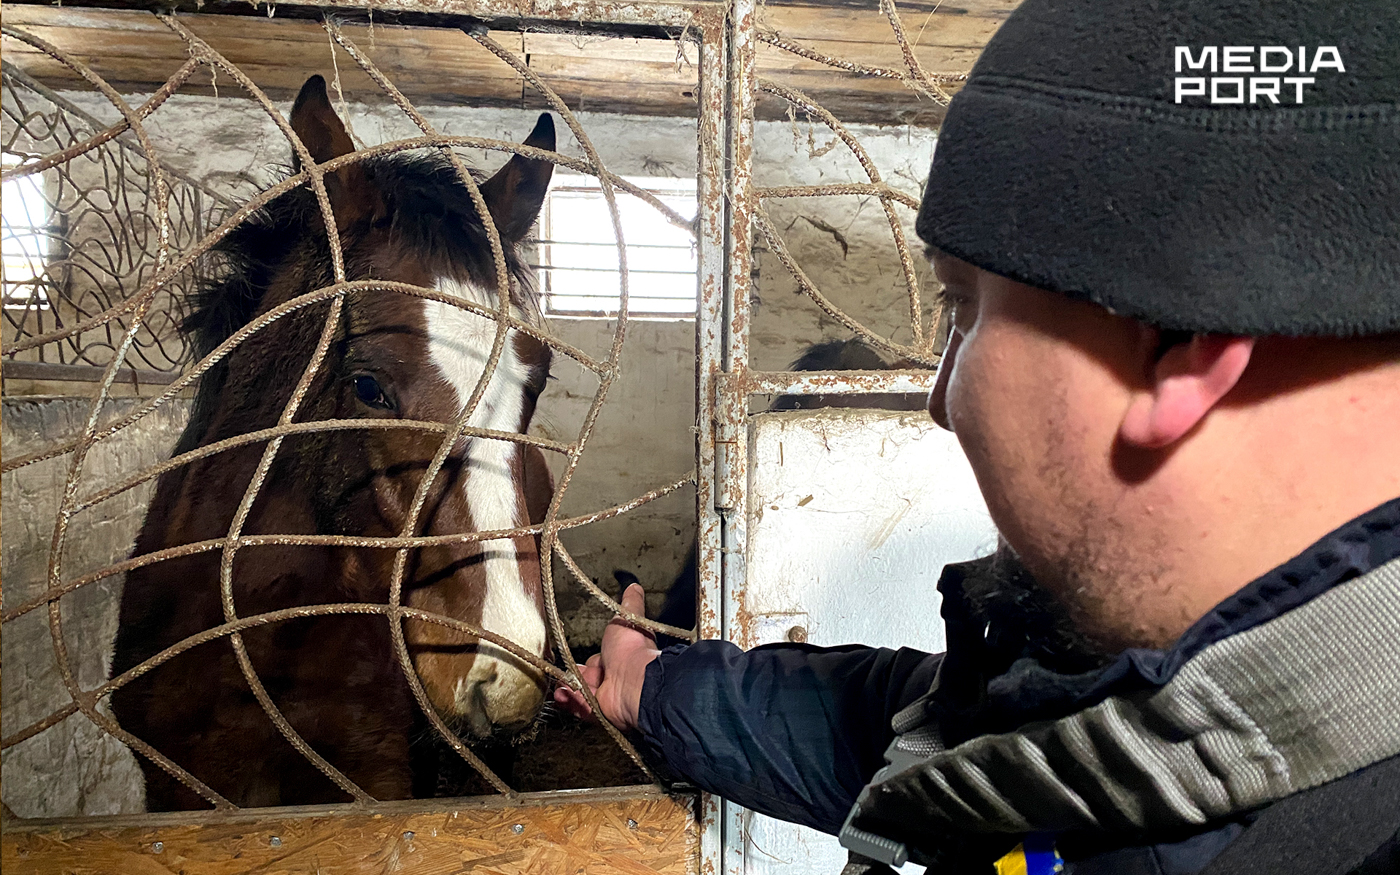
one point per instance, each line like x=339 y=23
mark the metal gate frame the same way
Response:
x=724 y=381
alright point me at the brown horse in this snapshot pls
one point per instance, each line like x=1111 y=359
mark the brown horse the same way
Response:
x=404 y=217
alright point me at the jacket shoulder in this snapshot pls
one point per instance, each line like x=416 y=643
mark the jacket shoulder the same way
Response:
x=1350 y=826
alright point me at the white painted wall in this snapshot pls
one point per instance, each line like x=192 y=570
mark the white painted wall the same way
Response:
x=853 y=514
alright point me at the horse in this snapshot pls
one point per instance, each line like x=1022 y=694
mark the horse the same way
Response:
x=404 y=217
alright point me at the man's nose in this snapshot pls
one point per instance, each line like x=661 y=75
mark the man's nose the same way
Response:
x=938 y=395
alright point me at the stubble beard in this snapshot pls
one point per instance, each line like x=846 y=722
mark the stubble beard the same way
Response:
x=1114 y=585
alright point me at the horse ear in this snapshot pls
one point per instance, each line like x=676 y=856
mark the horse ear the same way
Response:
x=323 y=133
x=516 y=193
x=316 y=123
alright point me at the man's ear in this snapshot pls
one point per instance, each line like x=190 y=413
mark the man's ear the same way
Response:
x=1187 y=380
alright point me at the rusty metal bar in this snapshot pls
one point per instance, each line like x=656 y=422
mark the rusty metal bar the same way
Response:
x=709 y=322
x=709 y=355
x=120 y=132
x=376 y=543
x=838 y=382
x=731 y=470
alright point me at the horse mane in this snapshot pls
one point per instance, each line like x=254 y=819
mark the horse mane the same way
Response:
x=839 y=355
x=426 y=207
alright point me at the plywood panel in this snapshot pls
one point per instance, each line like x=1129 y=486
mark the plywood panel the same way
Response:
x=633 y=832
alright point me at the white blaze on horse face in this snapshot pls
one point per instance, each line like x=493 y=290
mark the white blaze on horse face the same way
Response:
x=459 y=345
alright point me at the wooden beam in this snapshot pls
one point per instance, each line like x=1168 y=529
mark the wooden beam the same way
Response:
x=135 y=52
x=868 y=25
x=22 y=370
x=628 y=831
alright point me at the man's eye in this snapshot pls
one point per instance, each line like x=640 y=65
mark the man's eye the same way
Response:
x=957 y=309
x=368 y=390
x=950 y=298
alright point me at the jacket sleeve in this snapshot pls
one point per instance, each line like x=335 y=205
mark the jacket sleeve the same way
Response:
x=789 y=730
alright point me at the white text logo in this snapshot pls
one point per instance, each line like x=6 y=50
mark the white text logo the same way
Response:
x=1271 y=61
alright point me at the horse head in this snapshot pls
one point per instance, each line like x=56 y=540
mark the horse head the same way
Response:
x=406 y=218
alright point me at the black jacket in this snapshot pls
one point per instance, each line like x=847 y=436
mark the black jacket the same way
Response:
x=796 y=731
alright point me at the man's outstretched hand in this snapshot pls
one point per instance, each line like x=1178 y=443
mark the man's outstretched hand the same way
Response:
x=616 y=673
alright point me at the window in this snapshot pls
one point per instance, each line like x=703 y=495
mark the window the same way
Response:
x=578 y=266
x=28 y=233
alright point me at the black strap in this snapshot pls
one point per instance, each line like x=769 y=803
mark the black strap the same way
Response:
x=859 y=865
x=1328 y=830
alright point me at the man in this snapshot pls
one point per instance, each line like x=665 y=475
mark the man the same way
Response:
x=1175 y=369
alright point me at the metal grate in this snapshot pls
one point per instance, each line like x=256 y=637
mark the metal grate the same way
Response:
x=99 y=236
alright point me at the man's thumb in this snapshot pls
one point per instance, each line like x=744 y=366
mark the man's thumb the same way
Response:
x=634 y=600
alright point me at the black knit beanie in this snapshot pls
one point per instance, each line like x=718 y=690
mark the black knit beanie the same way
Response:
x=1163 y=159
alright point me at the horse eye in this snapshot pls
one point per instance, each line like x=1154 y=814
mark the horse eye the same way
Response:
x=368 y=390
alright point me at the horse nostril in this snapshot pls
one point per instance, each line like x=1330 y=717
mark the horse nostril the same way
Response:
x=477 y=713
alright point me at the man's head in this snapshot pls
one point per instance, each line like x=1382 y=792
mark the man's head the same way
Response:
x=1145 y=475
x=1200 y=374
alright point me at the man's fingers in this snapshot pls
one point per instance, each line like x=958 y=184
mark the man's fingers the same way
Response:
x=634 y=601
x=573 y=702
x=613 y=674
x=592 y=675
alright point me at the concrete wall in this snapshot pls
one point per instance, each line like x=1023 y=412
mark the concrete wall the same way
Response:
x=72 y=768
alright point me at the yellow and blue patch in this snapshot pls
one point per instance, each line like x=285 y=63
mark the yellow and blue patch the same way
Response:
x=1035 y=855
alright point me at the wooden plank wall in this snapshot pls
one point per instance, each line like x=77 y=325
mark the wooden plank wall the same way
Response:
x=632 y=831
x=135 y=52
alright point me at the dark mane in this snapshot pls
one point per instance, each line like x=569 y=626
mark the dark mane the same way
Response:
x=426 y=206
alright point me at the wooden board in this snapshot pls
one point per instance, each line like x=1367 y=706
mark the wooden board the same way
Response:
x=135 y=52
x=630 y=831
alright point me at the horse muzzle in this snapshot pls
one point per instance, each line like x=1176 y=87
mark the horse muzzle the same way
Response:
x=499 y=695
